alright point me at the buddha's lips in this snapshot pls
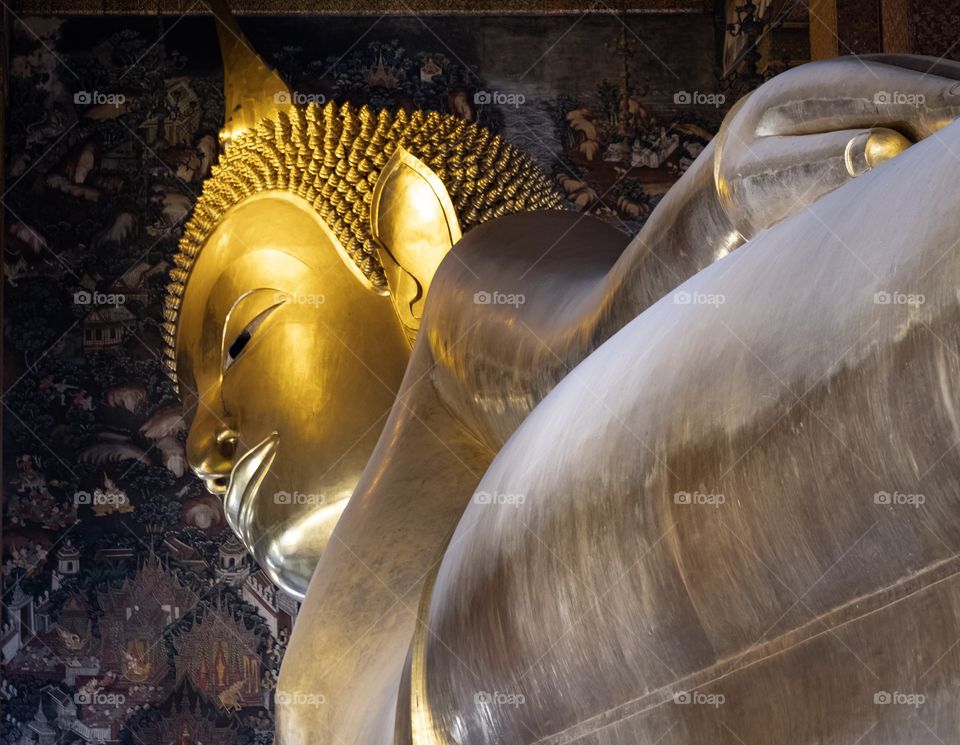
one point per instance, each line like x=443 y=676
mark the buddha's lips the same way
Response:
x=245 y=480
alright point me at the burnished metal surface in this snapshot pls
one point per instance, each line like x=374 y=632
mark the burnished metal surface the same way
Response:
x=252 y=91
x=273 y=274
x=735 y=522
x=577 y=513
x=299 y=288
x=414 y=223
x=613 y=474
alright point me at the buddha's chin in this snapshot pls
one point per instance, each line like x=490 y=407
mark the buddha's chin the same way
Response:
x=292 y=554
x=287 y=550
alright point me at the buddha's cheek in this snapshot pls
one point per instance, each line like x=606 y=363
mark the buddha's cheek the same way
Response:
x=305 y=385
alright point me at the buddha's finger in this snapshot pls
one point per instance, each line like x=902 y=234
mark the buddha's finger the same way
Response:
x=766 y=180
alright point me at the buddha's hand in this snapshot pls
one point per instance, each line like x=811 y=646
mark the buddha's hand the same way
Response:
x=812 y=129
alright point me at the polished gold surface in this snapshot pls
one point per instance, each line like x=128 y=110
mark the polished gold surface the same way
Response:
x=298 y=291
x=414 y=224
x=330 y=157
x=251 y=90
x=274 y=273
x=510 y=561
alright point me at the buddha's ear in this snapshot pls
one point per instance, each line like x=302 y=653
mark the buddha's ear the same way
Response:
x=414 y=225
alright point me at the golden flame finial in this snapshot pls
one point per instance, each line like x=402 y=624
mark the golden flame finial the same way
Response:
x=251 y=89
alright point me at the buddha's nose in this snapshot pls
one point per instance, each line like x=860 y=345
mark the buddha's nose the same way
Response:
x=211 y=447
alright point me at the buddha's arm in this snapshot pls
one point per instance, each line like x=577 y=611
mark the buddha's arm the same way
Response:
x=699 y=508
x=797 y=138
x=339 y=682
x=495 y=362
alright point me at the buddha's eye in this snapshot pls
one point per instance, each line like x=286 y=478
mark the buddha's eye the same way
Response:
x=241 y=340
x=238 y=344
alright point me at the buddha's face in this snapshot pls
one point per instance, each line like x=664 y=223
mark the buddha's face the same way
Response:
x=288 y=364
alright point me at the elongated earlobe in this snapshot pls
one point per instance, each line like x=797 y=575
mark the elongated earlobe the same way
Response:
x=414 y=224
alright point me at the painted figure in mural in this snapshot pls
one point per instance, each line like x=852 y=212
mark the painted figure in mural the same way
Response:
x=518 y=521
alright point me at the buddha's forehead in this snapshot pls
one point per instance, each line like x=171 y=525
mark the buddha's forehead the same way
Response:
x=268 y=242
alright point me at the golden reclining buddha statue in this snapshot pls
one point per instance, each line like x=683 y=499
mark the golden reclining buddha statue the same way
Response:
x=565 y=499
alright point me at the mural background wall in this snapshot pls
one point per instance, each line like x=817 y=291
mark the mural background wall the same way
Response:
x=130 y=612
